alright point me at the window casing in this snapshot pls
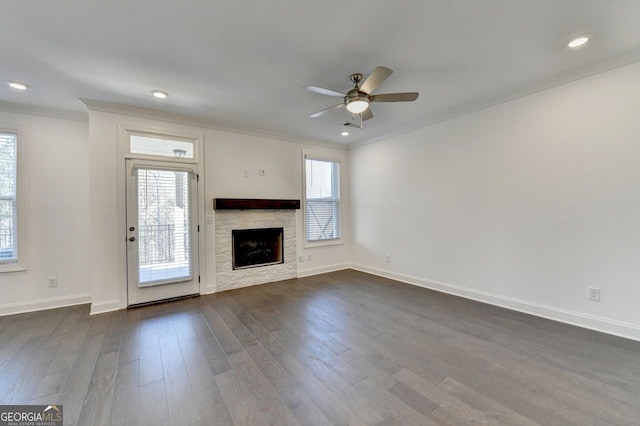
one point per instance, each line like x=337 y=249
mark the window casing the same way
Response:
x=322 y=199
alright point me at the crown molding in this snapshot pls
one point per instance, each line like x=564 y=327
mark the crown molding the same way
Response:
x=152 y=114
x=44 y=111
x=593 y=68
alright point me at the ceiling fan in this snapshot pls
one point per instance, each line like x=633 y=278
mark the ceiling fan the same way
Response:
x=357 y=100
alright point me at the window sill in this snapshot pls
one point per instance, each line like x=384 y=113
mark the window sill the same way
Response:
x=324 y=243
x=12 y=267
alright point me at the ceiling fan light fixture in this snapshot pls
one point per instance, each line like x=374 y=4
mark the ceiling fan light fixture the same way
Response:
x=357 y=104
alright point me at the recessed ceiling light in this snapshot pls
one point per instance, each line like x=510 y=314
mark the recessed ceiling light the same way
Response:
x=159 y=94
x=17 y=85
x=345 y=133
x=578 y=41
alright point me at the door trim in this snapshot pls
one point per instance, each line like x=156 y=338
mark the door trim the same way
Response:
x=123 y=130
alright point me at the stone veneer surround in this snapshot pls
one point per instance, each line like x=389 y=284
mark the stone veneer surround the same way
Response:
x=227 y=220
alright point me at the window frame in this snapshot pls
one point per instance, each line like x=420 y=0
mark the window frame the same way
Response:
x=194 y=140
x=20 y=264
x=337 y=187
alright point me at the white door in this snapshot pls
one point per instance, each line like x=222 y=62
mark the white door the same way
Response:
x=162 y=231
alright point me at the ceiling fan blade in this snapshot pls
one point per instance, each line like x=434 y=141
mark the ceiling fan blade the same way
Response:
x=378 y=75
x=326 y=110
x=394 y=97
x=367 y=114
x=324 y=91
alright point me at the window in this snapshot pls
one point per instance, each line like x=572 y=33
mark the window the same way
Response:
x=322 y=198
x=8 y=198
x=161 y=147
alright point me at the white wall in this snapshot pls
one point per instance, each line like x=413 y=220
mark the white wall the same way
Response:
x=525 y=204
x=57 y=215
x=226 y=156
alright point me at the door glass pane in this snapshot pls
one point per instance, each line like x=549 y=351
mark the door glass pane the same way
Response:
x=164 y=237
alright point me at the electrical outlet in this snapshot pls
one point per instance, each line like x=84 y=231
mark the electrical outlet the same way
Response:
x=300 y=258
x=53 y=281
x=388 y=258
x=209 y=219
x=261 y=173
x=308 y=258
x=594 y=294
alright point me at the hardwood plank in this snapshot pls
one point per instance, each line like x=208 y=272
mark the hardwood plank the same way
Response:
x=391 y=405
x=130 y=341
x=153 y=409
x=73 y=391
x=242 y=407
x=15 y=371
x=413 y=398
x=223 y=335
x=182 y=405
x=96 y=407
x=483 y=411
x=126 y=395
x=207 y=396
x=271 y=406
x=149 y=349
x=206 y=341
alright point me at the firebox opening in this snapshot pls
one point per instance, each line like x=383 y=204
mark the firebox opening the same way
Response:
x=257 y=247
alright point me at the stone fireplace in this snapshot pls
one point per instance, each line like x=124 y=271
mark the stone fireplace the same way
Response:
x=255 y=241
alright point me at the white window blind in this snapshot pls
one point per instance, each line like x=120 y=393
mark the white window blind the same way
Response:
x=164 y=225
x=322 y=199
x=8 y=198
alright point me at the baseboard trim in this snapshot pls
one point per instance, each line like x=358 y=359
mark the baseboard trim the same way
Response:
x=591 y=322
x=210 y=289
x=323 y=270
x=104 y=307
x=44 y=304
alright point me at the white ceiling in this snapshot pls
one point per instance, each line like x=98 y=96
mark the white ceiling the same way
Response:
x=243 y=63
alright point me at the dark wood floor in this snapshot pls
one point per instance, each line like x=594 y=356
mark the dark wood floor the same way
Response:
x=340 y=348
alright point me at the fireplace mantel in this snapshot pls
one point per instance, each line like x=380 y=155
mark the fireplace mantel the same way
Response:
x=254 y=204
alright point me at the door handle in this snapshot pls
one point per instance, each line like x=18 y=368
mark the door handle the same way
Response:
x=132 y=239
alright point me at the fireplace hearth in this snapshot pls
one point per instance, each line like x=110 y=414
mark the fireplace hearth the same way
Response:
x=253 y=248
